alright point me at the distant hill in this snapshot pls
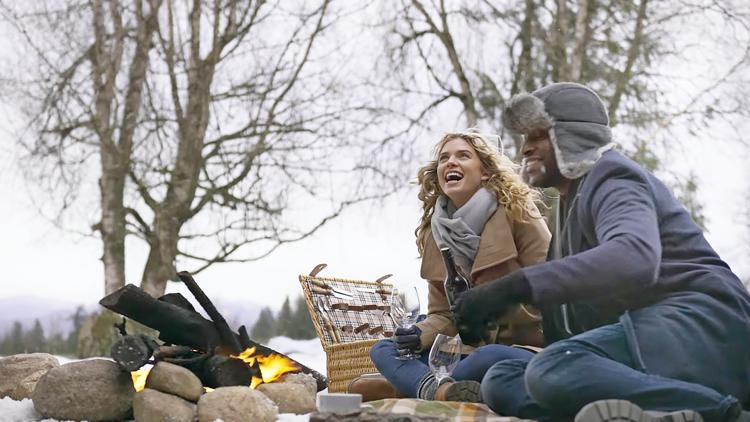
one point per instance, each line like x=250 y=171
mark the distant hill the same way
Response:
x=56 y=316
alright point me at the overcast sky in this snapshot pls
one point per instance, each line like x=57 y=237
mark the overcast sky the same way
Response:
x=368 y=241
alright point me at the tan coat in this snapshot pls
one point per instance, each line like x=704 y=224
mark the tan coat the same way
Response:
x=504 y=247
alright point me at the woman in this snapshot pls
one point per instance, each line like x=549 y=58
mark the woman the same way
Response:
x=475 y=204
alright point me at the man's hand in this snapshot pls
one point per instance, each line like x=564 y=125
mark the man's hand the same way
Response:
x=477 y=309
x=407 y=339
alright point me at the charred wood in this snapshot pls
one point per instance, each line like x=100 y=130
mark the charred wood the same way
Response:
x=222 y=371
x=177 y=299
x=229 y=339
x=185 y=329
x=164 y=352
x=133 y=351
x=176 y=325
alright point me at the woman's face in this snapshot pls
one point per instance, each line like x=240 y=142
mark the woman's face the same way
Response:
x=459 y=171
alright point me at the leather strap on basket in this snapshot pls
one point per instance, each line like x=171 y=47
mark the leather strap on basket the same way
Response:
x=383 y=278
x=318 y=268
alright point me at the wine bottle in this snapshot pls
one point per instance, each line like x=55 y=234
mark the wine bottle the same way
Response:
x=455 y=282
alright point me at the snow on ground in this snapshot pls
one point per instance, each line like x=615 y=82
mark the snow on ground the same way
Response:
x=307 y=352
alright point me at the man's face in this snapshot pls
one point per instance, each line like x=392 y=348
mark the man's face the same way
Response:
x=539 y=165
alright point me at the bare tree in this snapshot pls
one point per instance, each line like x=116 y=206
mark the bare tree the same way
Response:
x=480 y=52
x=211 y=122
x=472 y=50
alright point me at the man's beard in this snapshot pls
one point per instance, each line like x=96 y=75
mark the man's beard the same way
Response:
x=533 y=179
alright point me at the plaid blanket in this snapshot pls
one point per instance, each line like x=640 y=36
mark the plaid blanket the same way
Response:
x=453 y=411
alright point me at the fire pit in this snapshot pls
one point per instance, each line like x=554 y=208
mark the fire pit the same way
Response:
x=208 y=348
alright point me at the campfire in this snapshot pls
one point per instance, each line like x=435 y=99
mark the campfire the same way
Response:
x=272 y=368
x=208 y=348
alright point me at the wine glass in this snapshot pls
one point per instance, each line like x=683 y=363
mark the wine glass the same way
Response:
x=405 y=310
x=444 y=356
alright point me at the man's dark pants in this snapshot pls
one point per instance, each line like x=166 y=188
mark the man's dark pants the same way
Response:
x=595 y=365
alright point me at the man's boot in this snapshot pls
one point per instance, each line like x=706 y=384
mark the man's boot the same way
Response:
x=625 y=411
x=373 y=387
x=465 y=391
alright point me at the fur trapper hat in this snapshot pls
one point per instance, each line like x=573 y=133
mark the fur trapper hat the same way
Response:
x=575 y=117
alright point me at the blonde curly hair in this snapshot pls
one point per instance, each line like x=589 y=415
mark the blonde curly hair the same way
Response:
x=511 y=192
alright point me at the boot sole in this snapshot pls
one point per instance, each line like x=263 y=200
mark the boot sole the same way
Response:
x=466 y=391
x=625 y=411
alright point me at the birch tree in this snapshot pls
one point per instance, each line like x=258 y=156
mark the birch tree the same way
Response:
x=205 y=122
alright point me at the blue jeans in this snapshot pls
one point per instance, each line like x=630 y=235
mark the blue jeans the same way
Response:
x=406 y=375
x=592 y=366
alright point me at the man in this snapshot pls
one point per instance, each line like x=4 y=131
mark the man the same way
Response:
x=640 y=313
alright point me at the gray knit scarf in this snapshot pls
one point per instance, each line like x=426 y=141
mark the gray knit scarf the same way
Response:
x=460 y=229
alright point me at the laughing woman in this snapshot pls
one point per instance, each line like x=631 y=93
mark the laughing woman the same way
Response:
x=475 y=204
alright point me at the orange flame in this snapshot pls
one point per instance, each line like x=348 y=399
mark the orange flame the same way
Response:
x=272 y=367
x=139 y=378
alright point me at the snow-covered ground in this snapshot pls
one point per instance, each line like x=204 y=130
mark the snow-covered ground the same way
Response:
x=307 y=352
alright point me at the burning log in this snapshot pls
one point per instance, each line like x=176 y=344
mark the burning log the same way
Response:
x=182 y=326
x=222 y=371
x=176 y=325
x=133 y=351
x=177 y=299
x=228 y=338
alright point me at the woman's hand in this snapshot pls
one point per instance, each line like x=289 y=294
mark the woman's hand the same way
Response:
x=407 y=339
x=477 y=310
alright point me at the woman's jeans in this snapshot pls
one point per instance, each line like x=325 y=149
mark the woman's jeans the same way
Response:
x=592 y=366
x=406 y=375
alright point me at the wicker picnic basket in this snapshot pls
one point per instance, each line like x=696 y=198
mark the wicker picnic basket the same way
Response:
x=347 y=327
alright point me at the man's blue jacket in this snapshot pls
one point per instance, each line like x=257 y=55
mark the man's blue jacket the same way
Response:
x=632 y=253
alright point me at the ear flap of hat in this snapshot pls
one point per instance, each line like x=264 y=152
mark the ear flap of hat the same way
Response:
x=525 y=113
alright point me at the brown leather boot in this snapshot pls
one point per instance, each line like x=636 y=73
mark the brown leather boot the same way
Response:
x=373 y=387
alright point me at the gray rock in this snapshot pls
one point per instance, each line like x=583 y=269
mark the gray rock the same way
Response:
x=20 y=373
x=299 y=378
x=290 y=397
x=92 y=390
x=154 y=406
x=236 y=404
x=174 y=379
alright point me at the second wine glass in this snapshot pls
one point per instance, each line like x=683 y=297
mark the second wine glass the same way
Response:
x=444 y=356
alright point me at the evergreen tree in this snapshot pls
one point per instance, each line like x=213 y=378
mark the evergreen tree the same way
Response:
x=265 y=326
x=302 y=327
x=78 y=317
x=284 y=323
x=16 y=342
x=56 y=344
x=35 y=341
x=5 y=346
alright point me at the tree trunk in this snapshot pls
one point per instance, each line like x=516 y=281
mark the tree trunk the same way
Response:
x=106 y=59
x=559 y=54
x=160 y=266
x=523 y=77
x=115 y=155
x=633 y=52
x=582 y=37
x=175 y=209
x=112 y=226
